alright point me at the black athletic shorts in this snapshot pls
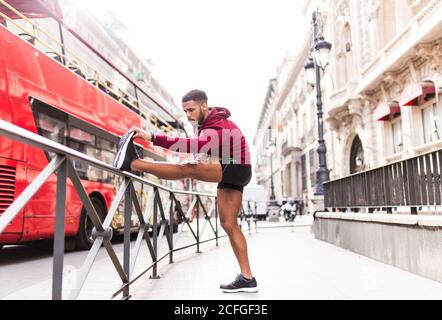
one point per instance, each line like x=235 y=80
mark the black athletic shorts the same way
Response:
x=235 y=176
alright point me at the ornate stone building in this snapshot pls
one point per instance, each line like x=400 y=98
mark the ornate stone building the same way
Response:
x=383 y=101
x=381 y=91
x=288 y=121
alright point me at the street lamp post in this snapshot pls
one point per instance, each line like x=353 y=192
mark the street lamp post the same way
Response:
x=273 y=205
x=272 y=185
x=320 y=60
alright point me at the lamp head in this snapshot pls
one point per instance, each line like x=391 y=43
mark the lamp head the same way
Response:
x=322 y=53
x=310 y=75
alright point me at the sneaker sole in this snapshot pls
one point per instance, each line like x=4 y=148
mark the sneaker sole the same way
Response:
x=117 y=157
x=123 y=151
x=241 y=290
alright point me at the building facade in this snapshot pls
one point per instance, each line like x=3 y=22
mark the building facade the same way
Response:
x=381 y=92
x=288 y=122
x=383 y=105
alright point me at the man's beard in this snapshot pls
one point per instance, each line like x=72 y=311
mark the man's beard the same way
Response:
x=201 y=118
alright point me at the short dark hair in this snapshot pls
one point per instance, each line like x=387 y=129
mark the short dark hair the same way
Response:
x=195 y=95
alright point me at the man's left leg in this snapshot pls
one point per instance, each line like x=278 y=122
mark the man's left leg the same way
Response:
x=229 y=204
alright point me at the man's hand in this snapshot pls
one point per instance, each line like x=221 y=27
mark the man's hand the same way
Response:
x=141 y=134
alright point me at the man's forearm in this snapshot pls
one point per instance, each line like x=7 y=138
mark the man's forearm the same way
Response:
x=180 y=144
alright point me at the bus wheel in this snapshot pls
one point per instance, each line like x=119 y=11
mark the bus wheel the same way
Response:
x=83 y=240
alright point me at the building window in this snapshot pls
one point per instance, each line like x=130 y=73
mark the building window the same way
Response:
x=312 y=163
x=357 y=163
x=438 y=118
x=397 y=135
x=348 y=54
x=304 y=172
x=311 y=120
x=302 y=126
x=431 y=122
x=426 y=124
x=388 y=20
x=288 y=181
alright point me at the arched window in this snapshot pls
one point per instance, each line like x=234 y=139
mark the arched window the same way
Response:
x=348 y=51
x=357 y=163
x=388 y=21
x=344 y=56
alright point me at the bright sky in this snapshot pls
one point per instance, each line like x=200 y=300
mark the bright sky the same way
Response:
x=229 y=48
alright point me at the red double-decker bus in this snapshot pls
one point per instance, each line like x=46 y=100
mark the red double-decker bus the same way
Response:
x=49 y=89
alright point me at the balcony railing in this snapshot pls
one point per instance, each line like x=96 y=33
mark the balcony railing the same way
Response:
x=289 y=147
x=414 y=183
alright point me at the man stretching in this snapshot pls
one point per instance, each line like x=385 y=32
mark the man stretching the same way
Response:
x=219 y=138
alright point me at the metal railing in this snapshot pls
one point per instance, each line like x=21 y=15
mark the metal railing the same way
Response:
x=414 y=182
x=62 y=166
x=162 y=214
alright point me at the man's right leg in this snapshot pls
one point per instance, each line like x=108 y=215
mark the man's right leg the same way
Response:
x=208 y=172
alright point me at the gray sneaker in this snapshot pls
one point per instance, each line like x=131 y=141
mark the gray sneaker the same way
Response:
x=126 y=152
x=240 y=284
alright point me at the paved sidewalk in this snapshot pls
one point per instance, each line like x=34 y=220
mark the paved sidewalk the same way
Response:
x=289 y=264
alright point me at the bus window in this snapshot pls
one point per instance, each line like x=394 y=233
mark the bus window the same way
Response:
x=82 y=136
x=51 y=128
x=50 y=123
x=46 y=35
x=106 y=145
x=83 y=142
x=105 y=152
x=65 y=129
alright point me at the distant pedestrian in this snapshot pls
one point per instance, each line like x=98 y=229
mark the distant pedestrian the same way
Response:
x=301 y=207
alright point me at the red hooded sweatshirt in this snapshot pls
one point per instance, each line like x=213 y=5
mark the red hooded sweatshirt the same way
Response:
x=217 y=136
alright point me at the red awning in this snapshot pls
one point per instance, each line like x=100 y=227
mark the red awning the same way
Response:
x=384 y=109
x=415 y=93
x=32 y=9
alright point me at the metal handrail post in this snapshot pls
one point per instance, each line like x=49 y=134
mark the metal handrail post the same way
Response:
x=127 y=220
x=59 y=234
x=171 y=224
x=63 y=50
x=206 y=215
x=197 y=208
x=216 y=221
x=155 y=235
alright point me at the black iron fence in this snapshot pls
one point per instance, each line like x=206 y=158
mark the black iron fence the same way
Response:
x=413 y=182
